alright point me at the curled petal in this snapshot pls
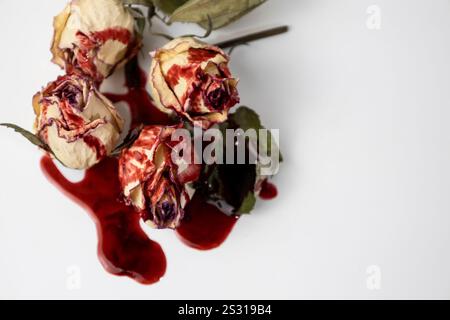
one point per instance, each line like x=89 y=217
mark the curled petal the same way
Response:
x=94 y=37
x=191 y=79
x=151 y=182
x=78 y=123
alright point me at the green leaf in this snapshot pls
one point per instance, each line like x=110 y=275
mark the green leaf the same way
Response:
x=231 y=187
x=140 y=25
x=27 y=134
x=139 y=19
x=246 y=118
x=227 y=186
x=248 y=204
x=169 y=6
x=222 y=12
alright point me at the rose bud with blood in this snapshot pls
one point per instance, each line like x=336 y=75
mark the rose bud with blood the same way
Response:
x=191 y=79
x=93 y=37
x=79 y=124
x=152 y=182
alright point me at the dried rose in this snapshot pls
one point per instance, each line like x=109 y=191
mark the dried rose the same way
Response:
x=94 y=37
x=192 y=79
x=151 y=182
x=79 y=124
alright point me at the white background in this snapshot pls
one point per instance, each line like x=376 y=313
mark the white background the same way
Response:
x=364 y=118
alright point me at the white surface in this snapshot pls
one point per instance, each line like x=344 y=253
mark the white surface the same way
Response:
x=364 y=127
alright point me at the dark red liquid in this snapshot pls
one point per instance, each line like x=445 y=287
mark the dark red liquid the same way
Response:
x=123 y=248
x=96 y=145
x=268 y=191
x=142 y=108
x=204 y=227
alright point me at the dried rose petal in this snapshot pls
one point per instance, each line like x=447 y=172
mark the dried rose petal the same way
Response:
x=94 y=37
x=79 y=124
x=192 y=79
x=151 y=182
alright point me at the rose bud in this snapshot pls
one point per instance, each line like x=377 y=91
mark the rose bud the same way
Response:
x=156 y=186
x=80 y=125
x=94 y=37
x=191 y=79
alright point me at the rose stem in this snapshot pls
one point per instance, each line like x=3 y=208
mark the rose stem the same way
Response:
x=253 y=37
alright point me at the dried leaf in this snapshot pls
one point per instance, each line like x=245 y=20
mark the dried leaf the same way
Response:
x=31 y=138
x=245 y=118
x=139 y=19
x=231 y=187
x=146 y=3
x=248 y=204
x=222 y=12
x=227 y=186
x=26 y=134
x=169 y=6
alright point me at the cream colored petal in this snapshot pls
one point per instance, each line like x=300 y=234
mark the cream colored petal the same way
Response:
x=89 y=16
x=37 y=104
x=74 y=155
x=164 y=97
x=183 y=44
x=112 y=51
x=137 y=198
x=206 y=120
x=151 y=224
x=59 y=24
x=100 y=107
x=100 y=15
x=65 y=143
x=107 y=135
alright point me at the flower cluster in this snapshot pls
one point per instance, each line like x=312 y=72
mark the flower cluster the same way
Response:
x=197 y=149
x=91 y=38
x=190 y=80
